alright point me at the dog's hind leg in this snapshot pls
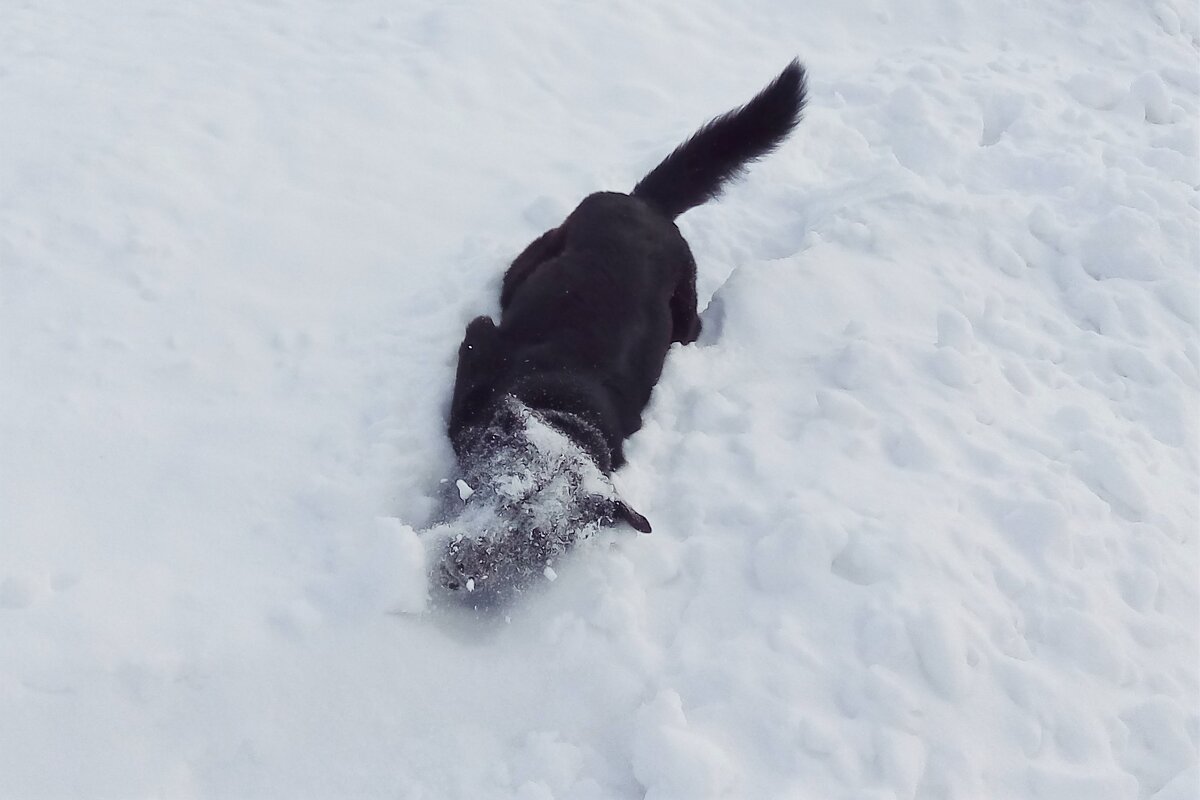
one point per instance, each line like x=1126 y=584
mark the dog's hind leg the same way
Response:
x=685 y=321
x=542 y=249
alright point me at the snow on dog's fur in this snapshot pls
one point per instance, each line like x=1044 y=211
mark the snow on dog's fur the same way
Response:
x=529 y=495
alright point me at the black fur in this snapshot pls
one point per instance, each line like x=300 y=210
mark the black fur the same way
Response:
x=590 y=308
x=697 y=170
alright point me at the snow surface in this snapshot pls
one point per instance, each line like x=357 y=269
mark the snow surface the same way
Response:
x=925 y=495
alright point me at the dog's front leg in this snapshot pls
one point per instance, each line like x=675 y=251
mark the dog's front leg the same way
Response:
x=480 y=358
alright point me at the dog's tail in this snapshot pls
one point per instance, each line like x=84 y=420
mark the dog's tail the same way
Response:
x=698 y=169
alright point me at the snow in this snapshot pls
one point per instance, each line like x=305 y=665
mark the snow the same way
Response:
x=925 y=495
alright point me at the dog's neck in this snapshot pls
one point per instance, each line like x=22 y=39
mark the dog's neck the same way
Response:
x=570 y=406
x=580 y=430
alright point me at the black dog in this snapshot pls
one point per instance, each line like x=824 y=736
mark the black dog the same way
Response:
x=544 y=401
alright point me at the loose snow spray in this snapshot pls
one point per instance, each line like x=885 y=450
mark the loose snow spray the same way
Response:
x=529 y=494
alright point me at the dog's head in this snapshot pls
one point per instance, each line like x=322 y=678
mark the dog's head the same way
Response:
x=533 y=483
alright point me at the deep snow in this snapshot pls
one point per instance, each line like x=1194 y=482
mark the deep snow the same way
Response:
x=925 y=495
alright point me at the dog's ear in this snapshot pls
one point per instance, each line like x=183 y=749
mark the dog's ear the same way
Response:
x=635 y=520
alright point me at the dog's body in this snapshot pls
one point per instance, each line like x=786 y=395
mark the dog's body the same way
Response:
x=588 y=313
